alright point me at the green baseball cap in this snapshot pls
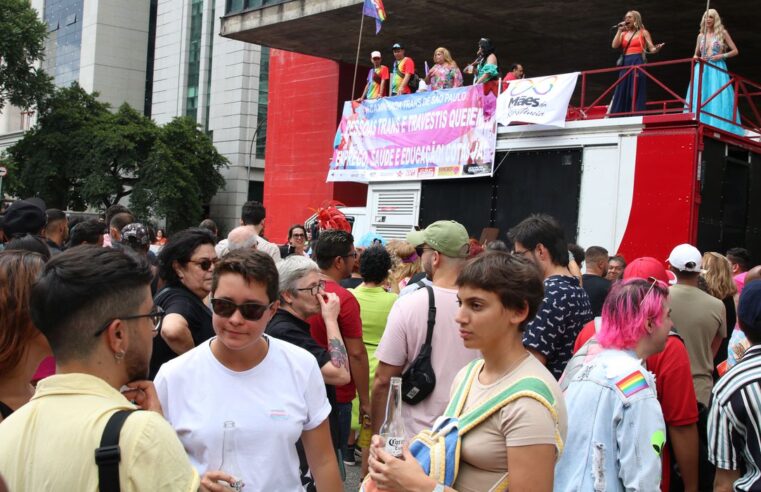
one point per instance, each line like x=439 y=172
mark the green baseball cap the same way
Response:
x=445 y=236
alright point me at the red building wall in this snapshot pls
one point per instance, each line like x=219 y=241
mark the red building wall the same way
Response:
x=305 y=94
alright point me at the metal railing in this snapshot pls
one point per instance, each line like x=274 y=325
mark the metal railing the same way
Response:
x=670 y=81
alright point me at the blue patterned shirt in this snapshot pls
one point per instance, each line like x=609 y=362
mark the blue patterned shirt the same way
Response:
x=563 y=312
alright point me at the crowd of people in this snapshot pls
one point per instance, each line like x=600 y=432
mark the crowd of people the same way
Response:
x=264 y=365
x=710 y=92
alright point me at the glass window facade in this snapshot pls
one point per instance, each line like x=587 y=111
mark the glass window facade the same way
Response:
x=261 y=114
x=62 y=48
x=235 y=6
x=194 y=58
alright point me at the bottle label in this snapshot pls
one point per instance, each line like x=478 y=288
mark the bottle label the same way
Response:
x=394 y=446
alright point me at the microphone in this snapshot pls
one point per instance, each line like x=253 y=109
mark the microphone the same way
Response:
x=620 y=24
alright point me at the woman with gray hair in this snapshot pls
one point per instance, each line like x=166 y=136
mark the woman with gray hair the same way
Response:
x=302 y=294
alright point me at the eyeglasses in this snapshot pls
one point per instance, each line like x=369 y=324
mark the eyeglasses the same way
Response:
x=298 y=236
x=422 y=249
x=157 y=315
x=315 y=289
x=652 y=281
x=206 y=263
x=251 y=311
x=520 y=253
x=353 y=254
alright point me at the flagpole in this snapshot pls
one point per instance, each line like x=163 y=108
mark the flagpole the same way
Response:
x=356 y=59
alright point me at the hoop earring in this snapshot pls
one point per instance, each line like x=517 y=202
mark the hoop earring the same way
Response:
x=118 y=356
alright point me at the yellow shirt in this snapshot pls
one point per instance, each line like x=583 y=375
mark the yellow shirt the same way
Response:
x=49 y=443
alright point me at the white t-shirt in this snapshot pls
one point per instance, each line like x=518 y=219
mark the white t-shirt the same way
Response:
x=271 y=405
x=404 y=336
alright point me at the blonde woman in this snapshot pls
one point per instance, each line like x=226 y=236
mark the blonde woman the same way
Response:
x=719 y=283
x=714 y=45
x=445 y=74
x=407 y=264
x=634 y=42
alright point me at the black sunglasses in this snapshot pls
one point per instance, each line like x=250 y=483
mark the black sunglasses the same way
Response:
x=205 y=264
x=157 y=315
x=251 y=311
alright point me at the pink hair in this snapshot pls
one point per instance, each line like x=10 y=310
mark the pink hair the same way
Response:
x=625 y=312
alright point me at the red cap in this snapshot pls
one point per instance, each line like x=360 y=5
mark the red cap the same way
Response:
x=646 y=267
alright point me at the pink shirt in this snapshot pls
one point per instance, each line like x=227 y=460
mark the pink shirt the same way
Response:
x=401 y=342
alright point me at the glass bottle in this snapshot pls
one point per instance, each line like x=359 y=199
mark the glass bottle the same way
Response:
x=392 y=430
x=229 y=457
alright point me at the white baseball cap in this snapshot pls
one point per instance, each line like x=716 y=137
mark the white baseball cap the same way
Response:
x=686 y=258
x=375 y=54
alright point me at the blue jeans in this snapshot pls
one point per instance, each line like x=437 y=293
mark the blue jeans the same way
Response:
x=344 y=428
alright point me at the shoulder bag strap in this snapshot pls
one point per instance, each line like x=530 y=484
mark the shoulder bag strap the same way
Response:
x=623 y=52
x=108 y=455
x=431 y=315
x=461 y=393
x=527 y=387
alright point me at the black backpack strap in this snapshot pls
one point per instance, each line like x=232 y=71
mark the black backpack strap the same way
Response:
x=431 y=315
x=108 y=455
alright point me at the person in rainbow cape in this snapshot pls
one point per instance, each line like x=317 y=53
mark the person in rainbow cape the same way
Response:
x=504 y=408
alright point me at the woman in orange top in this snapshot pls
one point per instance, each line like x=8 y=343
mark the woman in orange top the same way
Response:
x=634 y=41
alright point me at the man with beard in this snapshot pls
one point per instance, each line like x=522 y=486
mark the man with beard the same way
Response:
x=443 y=249
x=95 y=308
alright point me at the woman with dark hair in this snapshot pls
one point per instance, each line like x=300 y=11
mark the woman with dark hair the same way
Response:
x=186 y=265
x=22 y=346
x=616 y=427
x=523 y=425
x=297 y=240
x=635 y=43
x=269 y=391
x=485 y=67
x=29 y=242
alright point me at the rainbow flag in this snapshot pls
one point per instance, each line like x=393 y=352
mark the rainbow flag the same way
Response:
x=375 y=9
x=631 y=384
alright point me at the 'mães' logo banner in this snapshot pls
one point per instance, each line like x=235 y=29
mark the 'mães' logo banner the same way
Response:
x=428 y=135
x=540 y=100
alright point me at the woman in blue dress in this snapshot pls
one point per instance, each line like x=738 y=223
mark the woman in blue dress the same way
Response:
x=634 y=42
x=714 y=46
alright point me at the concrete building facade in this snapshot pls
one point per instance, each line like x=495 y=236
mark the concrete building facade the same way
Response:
x=222 y=84
x=101 y=44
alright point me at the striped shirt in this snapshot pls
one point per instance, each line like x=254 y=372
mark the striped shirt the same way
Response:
x=734 y=422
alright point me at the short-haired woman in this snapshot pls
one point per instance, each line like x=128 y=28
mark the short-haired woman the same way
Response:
x=498 y=294
x=272 y=390
x=22 y=346
x=616 y=431
x=186 y=265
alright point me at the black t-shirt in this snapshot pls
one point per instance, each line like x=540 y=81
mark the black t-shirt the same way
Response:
x=179 y=300
x=597 y=289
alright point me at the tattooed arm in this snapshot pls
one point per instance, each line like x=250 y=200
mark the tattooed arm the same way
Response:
x=335 y=372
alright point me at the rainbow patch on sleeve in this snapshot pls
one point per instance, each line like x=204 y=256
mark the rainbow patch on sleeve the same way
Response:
x=632 y=384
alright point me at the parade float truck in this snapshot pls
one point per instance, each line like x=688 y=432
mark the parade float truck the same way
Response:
x=636 y=183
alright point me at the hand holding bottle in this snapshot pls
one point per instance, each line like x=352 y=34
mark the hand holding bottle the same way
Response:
x=396 y=474
x=214 y=481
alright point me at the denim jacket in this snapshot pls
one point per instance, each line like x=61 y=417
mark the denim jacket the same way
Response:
x=616 y=431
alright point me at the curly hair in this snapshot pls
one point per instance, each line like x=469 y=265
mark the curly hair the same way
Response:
x=401 y=251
